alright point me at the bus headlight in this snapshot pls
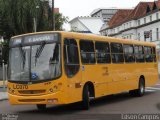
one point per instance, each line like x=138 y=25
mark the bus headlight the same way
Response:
x=54 y=89
x=51 y=90
x=11 y=91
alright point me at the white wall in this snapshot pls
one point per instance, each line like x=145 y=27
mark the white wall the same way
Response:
x=78 y=26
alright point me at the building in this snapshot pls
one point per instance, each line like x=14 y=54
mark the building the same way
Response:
x=105 y=13
x=56 y=10
x=86 y=24
x=140 y=23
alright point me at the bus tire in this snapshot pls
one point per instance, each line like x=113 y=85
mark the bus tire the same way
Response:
x=41 y=107
x=141 y=88
x=132 y=92
x=85 y=98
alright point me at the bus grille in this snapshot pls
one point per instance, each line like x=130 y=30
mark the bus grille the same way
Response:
x=29 y=92
x=31 y=100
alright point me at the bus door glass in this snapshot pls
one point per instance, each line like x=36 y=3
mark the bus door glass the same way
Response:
x=72 y=67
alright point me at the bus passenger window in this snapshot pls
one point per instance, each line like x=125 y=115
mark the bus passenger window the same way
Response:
x=71 y=57
x=102 y=52
x=129 y=53
x=117 y=53
x=148 y=54
x=87 y=52
x=139 y=53
x=154 y=54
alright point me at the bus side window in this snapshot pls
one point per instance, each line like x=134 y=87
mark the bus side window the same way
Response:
x=102 y=52
x=139 y=53
x=87 y=52
x=148 y=54
x=117 y=53
x=71 y=57
x=154 y=54
x=129 y=53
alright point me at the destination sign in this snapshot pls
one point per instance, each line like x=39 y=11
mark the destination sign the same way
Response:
x=34 y=39
x=40 y=38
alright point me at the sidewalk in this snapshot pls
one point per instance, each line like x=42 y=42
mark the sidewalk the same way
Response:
x=3 y=96
x=1 y=83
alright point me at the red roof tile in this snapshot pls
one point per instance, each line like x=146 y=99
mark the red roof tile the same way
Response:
x=119 y=17
x=125 y=15
x=158 y=4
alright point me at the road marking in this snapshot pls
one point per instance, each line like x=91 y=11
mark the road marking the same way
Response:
x=147 y=90
x=154 y=88
x=157 y=84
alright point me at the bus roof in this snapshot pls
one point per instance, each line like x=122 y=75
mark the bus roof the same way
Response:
x=92 y=37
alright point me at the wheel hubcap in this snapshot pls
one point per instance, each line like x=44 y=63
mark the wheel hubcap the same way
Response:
x=142 y=89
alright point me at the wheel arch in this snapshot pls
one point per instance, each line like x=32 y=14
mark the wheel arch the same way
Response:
x=90 y=88
x=142 y=78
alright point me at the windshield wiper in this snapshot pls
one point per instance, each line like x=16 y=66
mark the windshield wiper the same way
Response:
x=22 y=53
x=39 y=51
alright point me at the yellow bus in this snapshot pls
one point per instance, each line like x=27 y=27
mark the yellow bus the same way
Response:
x=65 y=67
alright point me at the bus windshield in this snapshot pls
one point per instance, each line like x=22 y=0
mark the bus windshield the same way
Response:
x=35 y=62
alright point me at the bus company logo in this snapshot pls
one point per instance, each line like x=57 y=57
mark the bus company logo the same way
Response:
x=20 y=87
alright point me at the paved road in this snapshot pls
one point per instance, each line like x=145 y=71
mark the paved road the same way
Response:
x=103 y=107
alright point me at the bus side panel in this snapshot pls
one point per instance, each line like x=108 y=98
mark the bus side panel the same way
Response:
x=95 y=74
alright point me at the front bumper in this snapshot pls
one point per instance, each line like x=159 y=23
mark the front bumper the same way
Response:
x=54 y=98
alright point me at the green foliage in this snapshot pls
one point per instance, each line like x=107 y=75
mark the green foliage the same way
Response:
x=16 y=17
x=60 y=20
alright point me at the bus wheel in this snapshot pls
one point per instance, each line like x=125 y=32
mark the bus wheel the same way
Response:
x=141 y=88
x=85 y=98
x=41 y=106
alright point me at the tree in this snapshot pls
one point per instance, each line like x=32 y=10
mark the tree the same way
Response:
x=60 y=20
x=16 y=17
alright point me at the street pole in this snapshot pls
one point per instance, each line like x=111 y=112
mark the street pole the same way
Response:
x=3 y=67
x=53 y=18
x=34 y=23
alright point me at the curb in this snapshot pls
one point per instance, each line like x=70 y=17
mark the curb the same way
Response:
x=3 y=99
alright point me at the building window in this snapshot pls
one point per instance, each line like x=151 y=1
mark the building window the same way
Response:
x=130 y=24
x=144 y=20
x=157 y=33
x=150 y=18
x=139 y=36
x=118 y=29
x=157 y=16
x=130 y=36
x=139 y=22
x=150 y=35
x=127 y=25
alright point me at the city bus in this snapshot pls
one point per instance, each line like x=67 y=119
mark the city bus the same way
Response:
x=56 y=67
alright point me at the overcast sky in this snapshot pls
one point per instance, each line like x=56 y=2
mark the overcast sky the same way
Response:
x=74 y=8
